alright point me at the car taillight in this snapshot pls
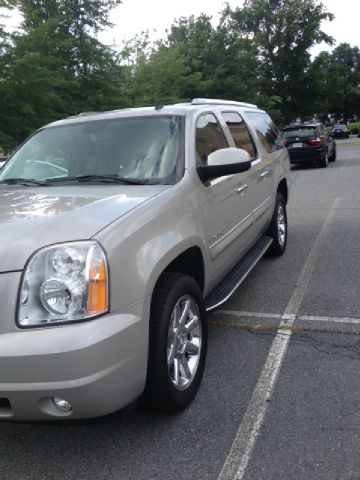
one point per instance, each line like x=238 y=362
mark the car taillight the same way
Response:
x=316 y=142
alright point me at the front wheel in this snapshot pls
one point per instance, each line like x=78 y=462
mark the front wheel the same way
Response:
x=177 y=343
x=278 y=228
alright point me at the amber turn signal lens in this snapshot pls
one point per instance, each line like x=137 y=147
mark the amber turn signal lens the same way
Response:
x=97 y=286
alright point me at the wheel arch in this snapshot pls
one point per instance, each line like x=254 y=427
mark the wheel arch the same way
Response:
x=189 y=262
x=283 y=189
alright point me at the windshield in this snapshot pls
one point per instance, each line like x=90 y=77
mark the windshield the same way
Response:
x=301 y=132
x=138 y=150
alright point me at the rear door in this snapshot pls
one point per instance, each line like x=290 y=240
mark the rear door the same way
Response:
x=260 y=181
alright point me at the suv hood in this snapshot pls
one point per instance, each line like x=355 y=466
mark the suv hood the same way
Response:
x=32 y=218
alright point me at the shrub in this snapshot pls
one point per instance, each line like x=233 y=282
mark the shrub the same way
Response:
x=353 y=127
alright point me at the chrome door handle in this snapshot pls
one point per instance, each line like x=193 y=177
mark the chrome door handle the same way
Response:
x=241 y=188
x=264 y=174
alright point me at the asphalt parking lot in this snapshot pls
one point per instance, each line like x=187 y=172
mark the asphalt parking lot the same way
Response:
x=280 y=397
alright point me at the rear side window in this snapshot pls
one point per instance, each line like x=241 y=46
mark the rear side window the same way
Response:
x=240 y=132
x=209 y=137
x=266 y=130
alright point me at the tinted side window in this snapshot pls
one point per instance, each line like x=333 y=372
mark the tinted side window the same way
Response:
x=209 y=137
x=265 y=129
x=240 y=132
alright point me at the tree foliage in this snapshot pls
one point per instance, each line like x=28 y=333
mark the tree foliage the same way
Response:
x=282 y=31
x=55 y=66
x=335 y=80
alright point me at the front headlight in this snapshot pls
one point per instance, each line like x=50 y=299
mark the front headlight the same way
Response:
x=64 y=283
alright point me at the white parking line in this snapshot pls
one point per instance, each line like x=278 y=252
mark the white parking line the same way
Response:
x=316 y=318
x=352 y=157
x=237 y=461
x=237 y=313
x=275 y=316
x=345 y=165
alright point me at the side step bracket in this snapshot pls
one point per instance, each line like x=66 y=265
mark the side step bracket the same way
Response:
x=238 y=274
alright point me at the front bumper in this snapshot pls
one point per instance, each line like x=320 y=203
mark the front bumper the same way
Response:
x=97 y=366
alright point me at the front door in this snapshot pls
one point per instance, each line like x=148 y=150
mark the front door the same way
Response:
x=225 y=207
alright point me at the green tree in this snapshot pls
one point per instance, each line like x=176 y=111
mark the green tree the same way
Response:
x=56 y=66
x=283 y=31
x=5 y=92
x=335 y=79
x=74 y=25
x=164 y=77
x=343 y=86
x=193 y=38
x=225 y=63
x=158 y=72
x=233 y=69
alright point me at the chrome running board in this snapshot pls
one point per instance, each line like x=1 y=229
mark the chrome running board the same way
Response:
x=238 y=274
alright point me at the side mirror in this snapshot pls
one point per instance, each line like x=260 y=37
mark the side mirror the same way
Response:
x=226 y=161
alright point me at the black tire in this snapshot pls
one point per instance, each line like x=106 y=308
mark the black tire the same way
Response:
x=332 y=157
x=324 y=162
x=161 y=393
x=279 y=243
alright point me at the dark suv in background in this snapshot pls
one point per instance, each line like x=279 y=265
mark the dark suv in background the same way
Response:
x=340 y=131
x=309 y=142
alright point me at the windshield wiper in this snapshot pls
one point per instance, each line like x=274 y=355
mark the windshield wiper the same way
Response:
x=26 y=182
x=100 y=178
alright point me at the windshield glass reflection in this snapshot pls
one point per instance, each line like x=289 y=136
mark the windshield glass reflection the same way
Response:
x=143 y=150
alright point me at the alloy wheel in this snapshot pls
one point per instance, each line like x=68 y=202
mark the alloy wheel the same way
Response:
x=184 y=342
x=281 y=224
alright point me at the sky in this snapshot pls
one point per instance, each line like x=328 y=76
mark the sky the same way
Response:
x=134 y=16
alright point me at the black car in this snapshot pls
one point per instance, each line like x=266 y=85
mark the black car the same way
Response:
x=340 y=131
x=309 y=142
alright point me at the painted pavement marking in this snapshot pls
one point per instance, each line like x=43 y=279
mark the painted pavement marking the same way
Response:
x=240 y=453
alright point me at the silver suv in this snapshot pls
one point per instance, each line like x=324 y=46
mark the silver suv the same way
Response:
x=119 y=230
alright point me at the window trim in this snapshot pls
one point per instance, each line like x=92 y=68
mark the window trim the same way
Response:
x=250 y=114
x=256 y=152
x=223 y=132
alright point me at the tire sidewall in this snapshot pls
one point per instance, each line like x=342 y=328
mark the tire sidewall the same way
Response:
x=160 y=391
x=325 y=161
x=277 y=248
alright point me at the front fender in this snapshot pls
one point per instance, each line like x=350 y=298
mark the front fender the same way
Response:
x=141 y=245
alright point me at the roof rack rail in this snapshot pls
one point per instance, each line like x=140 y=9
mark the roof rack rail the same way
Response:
x=216 y=101
x=85 y=114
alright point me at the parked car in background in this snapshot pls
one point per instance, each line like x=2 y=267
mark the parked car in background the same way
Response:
x=340 y=131
x=309 y=142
